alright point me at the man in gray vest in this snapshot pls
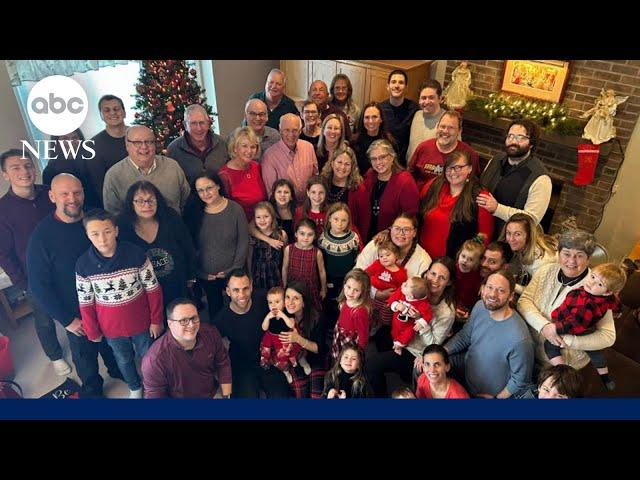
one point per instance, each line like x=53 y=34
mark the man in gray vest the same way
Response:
x=517 y=179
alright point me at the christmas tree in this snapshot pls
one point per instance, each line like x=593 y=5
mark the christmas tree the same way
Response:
x=165 y=88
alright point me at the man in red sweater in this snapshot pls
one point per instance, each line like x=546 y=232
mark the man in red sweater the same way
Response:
x=428 y=159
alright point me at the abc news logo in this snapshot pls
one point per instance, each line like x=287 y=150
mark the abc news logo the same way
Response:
x=58 y=105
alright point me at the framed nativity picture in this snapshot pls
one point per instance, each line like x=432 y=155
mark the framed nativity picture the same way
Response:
x=539 y=79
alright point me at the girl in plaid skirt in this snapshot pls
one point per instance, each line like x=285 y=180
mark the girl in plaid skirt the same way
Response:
x=265 y=261
x=355 y=306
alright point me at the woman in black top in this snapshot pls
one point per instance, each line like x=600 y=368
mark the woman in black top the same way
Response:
x=371 y=127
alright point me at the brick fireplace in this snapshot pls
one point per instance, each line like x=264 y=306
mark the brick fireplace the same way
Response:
x=559 y=154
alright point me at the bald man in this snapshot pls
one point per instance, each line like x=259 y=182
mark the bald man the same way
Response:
x=256 y=115
x=143 y=164
x=319 y=94
x=199 y=149
x=54 y=247
x=290 y=158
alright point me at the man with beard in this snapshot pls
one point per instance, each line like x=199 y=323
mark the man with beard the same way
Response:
x=517 y=179
x=496 y=256
x=430 y=156
x=275 y=99
x=54 y=248
x=493 y=353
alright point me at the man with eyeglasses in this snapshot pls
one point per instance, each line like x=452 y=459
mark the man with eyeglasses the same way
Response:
x=143 y=164
x=430 y=156
x=189 y=360
x=199 y=149
x=110 y=145
x=275 y=99
x=517 y=179
x=256 y=115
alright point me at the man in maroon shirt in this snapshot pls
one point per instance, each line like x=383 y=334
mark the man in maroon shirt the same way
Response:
x=189 y=360
x=429 y=157
x=21 y=208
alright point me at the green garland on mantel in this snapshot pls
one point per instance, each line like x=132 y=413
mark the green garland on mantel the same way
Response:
x=550 y=116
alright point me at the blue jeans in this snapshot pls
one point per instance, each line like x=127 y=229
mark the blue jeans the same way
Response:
x=123 y=350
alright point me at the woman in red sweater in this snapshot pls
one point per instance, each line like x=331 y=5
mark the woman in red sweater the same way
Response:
x=391 y=190
x=448 y=212
x=241 y=175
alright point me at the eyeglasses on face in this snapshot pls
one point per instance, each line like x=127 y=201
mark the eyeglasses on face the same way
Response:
x=455 y=168
x=378 y=159
x=404 y=230
x=206 y=189
x=185 y=321
x=518 y=137
x=201 y=124
x=140 y=143
x=258 y=114
x=150 y=202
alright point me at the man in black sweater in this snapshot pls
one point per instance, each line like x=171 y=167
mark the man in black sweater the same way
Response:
x=241 y=323
x=398 y=112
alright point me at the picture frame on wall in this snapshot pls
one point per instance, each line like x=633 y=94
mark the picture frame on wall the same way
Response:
x=540 y=79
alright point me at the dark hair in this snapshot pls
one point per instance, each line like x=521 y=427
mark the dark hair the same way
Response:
x=507 y=275
x=359 y=385
x=305 y=222
x=439 y=349
x=383 y=131
x=237 y=273
x=13 y=152
x=465 y=208
x=194 y=210
x=503 y=248
x=58 y=152
x=431 y=83
x=567 y=380
x=397 y=71
x=100 y=215
x=309 y=315
x=292 y=203
x=179 y=301
x=128 y=215
x=532 y=129
x=306 y=205
x=449 y=293
x=109 y=97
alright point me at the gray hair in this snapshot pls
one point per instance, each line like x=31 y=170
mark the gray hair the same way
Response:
x=250 y=101
x=193 y=108
x=277 y=70
x=577 y=240
x=290 y=115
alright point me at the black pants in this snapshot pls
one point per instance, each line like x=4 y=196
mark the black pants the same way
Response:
x=46 y=330
x=386 y=362
x=85 y=357
x=248 y=381
x=214 y=290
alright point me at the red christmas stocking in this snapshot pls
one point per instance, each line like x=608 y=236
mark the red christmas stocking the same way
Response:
x=587 y=160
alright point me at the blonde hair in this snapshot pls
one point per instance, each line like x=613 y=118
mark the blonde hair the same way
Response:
x=473 y=246
x=419 y=287
x=354 y=179
x=537 y=243
x=612 y=274
x=363 y=279
x=237 y=134
x=337 y=207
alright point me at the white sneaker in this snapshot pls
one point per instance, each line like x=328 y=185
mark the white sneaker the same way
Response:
x=302 y=361
x=288 y=376
x=61 y=367
x=135 y=393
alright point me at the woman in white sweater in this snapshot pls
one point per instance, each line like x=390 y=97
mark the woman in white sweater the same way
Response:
x=530 y=246
x=548 y=289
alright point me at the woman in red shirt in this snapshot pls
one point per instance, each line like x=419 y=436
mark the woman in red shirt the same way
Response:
x=434 y=381
x=241 y=175
x=448 y=212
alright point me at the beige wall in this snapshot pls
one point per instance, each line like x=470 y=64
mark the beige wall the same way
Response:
x=12 y=128
x=235 y=80
x=620 y=227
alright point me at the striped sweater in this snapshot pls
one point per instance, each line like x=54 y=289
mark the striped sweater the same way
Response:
x=119 y=296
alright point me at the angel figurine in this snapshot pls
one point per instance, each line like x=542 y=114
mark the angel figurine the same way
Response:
x=600 y=127
x=458 y=92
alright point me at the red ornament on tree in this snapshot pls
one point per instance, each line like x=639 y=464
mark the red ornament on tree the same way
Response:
x=170 y=107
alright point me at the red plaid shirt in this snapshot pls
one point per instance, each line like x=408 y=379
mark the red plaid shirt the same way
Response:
x=580 y=311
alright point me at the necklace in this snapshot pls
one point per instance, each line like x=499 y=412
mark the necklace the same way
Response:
x=336 y=193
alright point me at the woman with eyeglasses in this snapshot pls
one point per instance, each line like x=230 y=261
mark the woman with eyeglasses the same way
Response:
x=147 y=222
x=311 y=119
x=391 y=190
x=448 y=211
x=220 y=232
x=371 y=127
x=341 y=92
x=241 y=175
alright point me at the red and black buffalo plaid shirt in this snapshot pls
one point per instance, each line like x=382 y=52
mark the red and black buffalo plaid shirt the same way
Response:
x=581 y=310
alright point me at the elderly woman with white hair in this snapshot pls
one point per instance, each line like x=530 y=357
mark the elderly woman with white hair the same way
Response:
x=199 y=149
x=548 y=289
x=241 y=175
